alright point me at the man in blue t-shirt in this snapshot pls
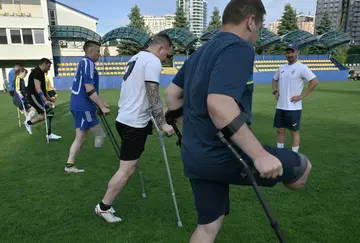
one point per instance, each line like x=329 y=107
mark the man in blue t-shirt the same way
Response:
x=83 y=104
x=212 y=90
x=11 y=78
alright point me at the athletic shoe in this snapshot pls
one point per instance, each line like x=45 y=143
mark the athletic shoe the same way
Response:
x=28 y=127
x=108 y=215
x=73 y=169
x=53 y=136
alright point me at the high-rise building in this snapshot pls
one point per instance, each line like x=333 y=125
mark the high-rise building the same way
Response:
x=194 y=12
x=205 y=14
x=333 y=7
x=344 y=16
x=159 y=23
x=353 y=21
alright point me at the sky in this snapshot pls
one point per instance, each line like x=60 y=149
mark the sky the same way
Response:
x=113 y=13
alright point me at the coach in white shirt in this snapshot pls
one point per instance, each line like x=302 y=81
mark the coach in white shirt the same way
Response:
x=287 y=86
x=139 y=94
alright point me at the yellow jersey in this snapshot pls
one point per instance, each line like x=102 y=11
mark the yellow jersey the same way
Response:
x=48 y=83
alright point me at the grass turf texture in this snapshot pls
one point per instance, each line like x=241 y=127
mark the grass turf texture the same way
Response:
x=41 y=203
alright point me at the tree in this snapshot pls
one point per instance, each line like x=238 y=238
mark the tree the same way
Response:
x=136 y=20
x=182 y=23
x=215 y=22
x=325 y=24
x=180 y=19
x=288 y=22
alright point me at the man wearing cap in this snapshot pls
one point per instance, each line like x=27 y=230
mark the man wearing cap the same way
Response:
x=287 y=87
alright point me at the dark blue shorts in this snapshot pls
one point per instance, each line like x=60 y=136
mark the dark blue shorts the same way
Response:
x=211 y=192
x=19 y=104
x=287 y=119
x=85 y=120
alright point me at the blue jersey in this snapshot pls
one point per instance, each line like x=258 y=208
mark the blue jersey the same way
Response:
x=224 y=66
x=86 y=73
x=11 y=80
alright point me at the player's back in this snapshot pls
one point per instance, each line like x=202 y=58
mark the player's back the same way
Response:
x=133 y=103
x=86 y=73
x=37 y=74
x=201 y=147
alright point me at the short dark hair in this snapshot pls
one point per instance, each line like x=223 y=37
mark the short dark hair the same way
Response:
x=89 y=44
x=161 y=38
x=45 y=61
x=238 y=10
x=18 y=64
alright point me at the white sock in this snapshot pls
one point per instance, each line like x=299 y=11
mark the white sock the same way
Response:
x=280 y=145
x=295 y=149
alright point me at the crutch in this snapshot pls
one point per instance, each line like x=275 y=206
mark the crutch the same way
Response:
x=116 y=147
x=162 y=144
x=46 y=123
x=18 y=114
x=273 y=222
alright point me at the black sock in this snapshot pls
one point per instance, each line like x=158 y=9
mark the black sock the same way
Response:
x=29 y=123
x=49 y=124
x=104 y=207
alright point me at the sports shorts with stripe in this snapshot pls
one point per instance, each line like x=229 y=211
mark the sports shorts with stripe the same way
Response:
x=85 y=120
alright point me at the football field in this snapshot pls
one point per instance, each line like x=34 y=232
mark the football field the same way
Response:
x=41 y=203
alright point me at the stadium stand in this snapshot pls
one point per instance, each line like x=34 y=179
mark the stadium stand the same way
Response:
x=112 y=68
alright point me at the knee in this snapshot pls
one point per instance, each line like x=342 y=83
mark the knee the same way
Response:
x=80 y=137
x=213 y=228
x=128 y=170
x=281 y=131
x=300 y=183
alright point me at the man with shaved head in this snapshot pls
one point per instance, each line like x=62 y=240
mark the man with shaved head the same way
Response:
x=139 y=95
x=83 y=104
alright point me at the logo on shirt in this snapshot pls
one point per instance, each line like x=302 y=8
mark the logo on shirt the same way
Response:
x=293 y=71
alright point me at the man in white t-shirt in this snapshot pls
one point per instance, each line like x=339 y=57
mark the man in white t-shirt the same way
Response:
x=139 y=95
x=290 y=78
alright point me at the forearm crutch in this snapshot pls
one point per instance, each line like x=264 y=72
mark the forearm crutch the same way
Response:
x=274 y=224
x=162 y=144
x=116 y=147
x=46 y=122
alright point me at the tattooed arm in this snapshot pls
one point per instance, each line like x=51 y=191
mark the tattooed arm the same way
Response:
x=153 y=94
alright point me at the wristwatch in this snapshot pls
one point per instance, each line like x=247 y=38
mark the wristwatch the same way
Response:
x=274 y=92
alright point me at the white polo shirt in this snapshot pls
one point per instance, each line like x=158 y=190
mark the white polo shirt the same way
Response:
x=134 y=103
x=291 y=80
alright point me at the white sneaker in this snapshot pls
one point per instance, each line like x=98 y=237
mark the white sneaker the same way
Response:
x=108 y=215
x=73 y=169
x=28 y=127
x=53 y=136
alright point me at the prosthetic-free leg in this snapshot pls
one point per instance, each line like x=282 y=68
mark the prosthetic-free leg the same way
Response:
x=116 y=147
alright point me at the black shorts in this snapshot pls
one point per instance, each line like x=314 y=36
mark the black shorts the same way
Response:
x=132 y=140
x=51 y=93
x=36 y=102
x=212 y=195
x=287 y=119
x=17 y=102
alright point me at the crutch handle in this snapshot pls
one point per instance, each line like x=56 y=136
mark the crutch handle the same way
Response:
x=162 y=134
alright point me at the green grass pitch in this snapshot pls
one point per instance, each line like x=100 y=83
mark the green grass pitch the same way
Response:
x=41 y=203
